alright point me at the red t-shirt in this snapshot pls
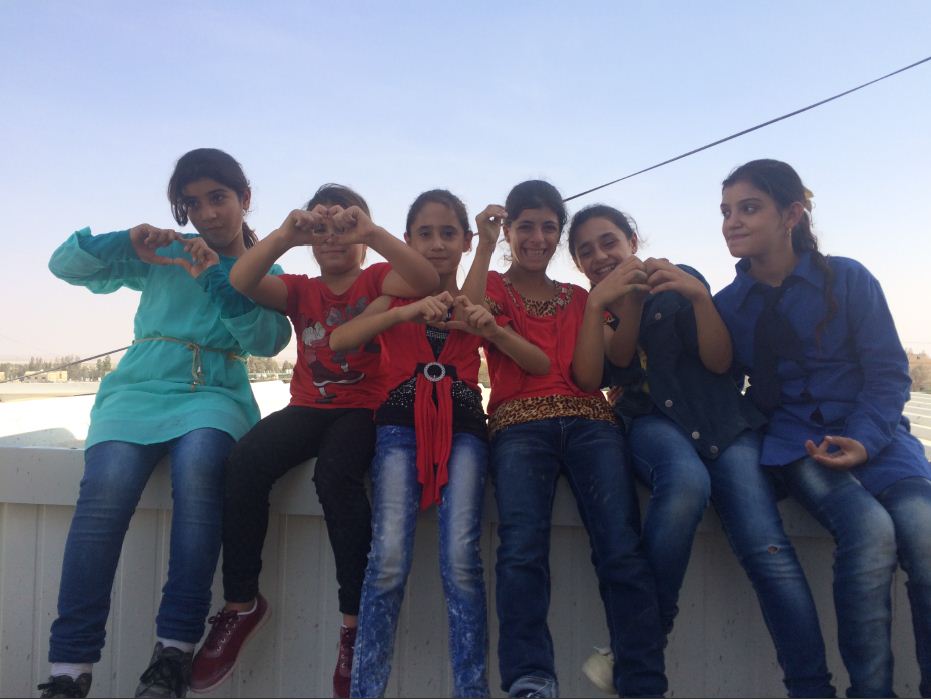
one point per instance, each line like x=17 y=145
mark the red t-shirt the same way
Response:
x=555 y=335
x=324 y=378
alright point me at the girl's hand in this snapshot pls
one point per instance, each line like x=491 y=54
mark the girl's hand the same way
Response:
x=352 y=225
x=627 y=279
x=147 y=239
x=473 y=318
x=202 y=256
x=431 y=310
x=849 y=452
x=302 y=227
x=488 y=224
x=665 y=276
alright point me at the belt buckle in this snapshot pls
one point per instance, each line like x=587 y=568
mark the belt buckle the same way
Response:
x=434 y=372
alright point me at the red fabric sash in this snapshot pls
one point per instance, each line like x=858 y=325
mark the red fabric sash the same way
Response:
x=433 y=423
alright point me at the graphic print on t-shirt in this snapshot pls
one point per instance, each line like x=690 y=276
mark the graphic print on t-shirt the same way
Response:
x=315 y=338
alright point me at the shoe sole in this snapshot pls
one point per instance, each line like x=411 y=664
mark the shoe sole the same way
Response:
x=258 y=627
x=596 y=668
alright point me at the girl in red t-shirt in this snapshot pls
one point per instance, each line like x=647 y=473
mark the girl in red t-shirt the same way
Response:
x=431 y=445
x=329 y=416
x=544 y=426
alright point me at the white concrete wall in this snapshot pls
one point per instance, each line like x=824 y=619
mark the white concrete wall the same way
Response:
x=719 y=647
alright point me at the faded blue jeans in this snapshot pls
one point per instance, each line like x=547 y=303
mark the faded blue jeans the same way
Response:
x=395 y=503
x=526 y=462
x=115 y=474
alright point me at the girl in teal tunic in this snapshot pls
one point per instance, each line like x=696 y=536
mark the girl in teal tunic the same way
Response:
x=181 y=390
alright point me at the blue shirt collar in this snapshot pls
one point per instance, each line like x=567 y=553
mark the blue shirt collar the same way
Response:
x=805 y=269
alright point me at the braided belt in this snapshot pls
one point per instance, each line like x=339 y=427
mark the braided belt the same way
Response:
x=197 y=367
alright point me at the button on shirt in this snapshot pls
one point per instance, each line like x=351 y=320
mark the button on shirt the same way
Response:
x=852 y=378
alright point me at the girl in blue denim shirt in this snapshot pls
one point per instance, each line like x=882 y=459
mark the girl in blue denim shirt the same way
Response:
x=180 y=391
x=431 y=444
x=815 y=337
x=665 y=352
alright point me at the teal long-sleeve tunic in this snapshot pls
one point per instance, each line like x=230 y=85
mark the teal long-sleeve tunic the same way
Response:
x=186 y=368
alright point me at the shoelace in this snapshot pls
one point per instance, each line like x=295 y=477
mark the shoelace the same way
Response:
x=223 y=623
x=165 y=672
x=61 y=685
x=344 y=661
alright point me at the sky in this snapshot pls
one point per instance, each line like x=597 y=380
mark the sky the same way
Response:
x=101 y=98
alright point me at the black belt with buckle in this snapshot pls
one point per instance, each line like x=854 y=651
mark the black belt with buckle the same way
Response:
x=434 y=371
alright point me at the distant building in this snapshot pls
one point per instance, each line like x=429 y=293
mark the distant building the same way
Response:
x=56 y=376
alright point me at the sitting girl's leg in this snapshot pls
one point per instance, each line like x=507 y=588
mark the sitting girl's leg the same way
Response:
x=746 y=503
x=345 y=456
x=395 y=501
x=864 y=561
x=604 y=491
x=339 y=476
x=908 y=501
x=276 y=444
x=525 y=468
x=460 y=514
x=666 y=461
x=115 y=474
x=198 y=459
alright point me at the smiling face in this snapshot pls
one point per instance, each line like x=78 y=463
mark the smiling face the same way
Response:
x=437 y=234
x=336 y=259
x=600 y=246
x=216 y=211
x=533 y=238
x=753 y=224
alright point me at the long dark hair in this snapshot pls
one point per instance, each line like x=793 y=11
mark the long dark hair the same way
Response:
x=781 y=182
x=209 y=163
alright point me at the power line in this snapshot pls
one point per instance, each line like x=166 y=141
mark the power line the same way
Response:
x=65 y=366
x=746 y=131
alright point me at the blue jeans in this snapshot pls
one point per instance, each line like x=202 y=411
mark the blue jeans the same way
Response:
x=526 y=462
x=395 y=503
x=680 y=487
x=745 y=500
x=864 y=562
x=115 y=474
x=908 y=502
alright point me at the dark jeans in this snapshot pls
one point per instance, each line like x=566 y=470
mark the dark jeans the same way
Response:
x=343 y=440
x=526 y=462
x=115 y=474
x=908 y=502
x=743 y=495
x=864 y=562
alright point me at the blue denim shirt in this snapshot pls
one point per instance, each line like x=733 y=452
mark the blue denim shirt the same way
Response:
x=708 y=406
x=852 y=379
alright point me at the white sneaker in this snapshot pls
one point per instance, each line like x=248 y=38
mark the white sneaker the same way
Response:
x=599 y=669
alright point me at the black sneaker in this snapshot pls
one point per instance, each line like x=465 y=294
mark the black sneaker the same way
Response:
x=168 y=674
x=65 y=686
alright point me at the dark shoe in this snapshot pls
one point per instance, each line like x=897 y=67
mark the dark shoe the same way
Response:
x=168 y=674
x=65 y=686
x=342 y=675
x=228 y=634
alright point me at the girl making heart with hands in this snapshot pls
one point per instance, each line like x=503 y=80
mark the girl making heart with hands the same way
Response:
x=333 y=394
x=431 y=445
x=181 y=390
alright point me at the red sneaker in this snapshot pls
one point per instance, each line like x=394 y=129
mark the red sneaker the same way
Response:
x=228 y=634
x=342 y=675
